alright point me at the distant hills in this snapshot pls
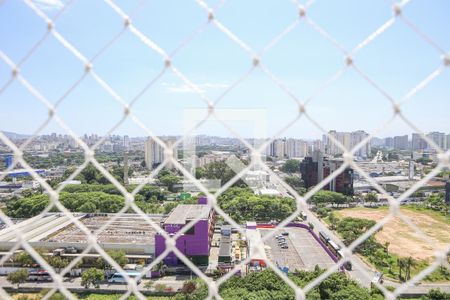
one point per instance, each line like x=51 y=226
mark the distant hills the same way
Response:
x=15 y=136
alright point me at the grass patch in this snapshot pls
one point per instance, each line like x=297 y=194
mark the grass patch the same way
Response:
x=396 y=250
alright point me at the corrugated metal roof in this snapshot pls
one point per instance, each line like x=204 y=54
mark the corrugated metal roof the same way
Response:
x=185 y=212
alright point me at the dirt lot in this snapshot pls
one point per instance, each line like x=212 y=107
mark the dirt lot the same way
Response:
x=404 y=241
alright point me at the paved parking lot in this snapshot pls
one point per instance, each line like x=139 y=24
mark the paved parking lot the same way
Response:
x=304 y=252
x=309 y=249
x=283 y=257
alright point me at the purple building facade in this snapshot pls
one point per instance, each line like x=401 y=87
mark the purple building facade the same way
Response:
x=196 y=242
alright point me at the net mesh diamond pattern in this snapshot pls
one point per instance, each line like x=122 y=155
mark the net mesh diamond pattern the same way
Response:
x=256 y=61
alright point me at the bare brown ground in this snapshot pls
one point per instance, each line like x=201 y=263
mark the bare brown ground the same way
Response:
x=402 y=239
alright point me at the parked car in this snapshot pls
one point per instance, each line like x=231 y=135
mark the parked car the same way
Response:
x=284 y=247
x=285 y=233
x=132 y=267
x=378 y=278
x=71 y=250
x=39 y=275
x=120 y=278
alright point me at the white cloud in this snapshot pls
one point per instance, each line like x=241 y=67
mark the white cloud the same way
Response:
x=201 y=87
x=49 y=4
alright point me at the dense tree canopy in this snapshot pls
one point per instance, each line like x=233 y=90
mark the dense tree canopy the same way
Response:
x=291 y=166
x=60 y=158
x=119 y=256
x=92 y=175
x=218 y=170
x=296 y=183
x=86 y=202
x=242 y=205
x=169 y=181
x=92 y=276
x=267 y=285
x=329 y=197
x=18 y=277
x=77 y=202
x=147 y=193
x=351 y=228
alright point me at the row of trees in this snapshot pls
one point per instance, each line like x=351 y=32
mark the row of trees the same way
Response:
x=148 y=193
x=322 y=198
x=90 y=202
x=268 y=285
x=84 y=202
x=59 y=158
x=91 y=175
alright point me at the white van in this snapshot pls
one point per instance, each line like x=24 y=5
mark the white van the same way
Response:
x=120 y=278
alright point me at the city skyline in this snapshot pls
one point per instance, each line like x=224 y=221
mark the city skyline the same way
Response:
x=303 y=60
x=410 y=134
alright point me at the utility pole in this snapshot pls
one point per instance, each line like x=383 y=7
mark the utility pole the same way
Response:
x=125 y=167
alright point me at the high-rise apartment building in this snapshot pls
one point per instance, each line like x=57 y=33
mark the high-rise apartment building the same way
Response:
x=126 y=142
x=417 y=142
x=349 y=140
x=401 y=142
x=154 y=153
x=389 y=142
x=438 y=138
x=296 y=148
x=309 y=171
x=289 y=148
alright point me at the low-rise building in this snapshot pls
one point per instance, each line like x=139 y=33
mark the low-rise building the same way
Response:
x=195 y=243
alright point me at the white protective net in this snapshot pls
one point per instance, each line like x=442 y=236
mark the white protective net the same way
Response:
x=257 y=62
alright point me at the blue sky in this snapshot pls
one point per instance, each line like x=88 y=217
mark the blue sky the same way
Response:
x=397 y=60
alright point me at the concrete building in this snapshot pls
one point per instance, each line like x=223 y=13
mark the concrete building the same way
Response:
x=296 y=148
x=417 y=142
x=196 y=242
x=315 y=169
x=438 y=138
x=279 y=149
x=154 y=153
x=309 y=170
x=225 y=250
x=343 y=183
x=389 y=142
x=349 y=140
x=287 y=148
x=401 y=142
x=128 y=232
